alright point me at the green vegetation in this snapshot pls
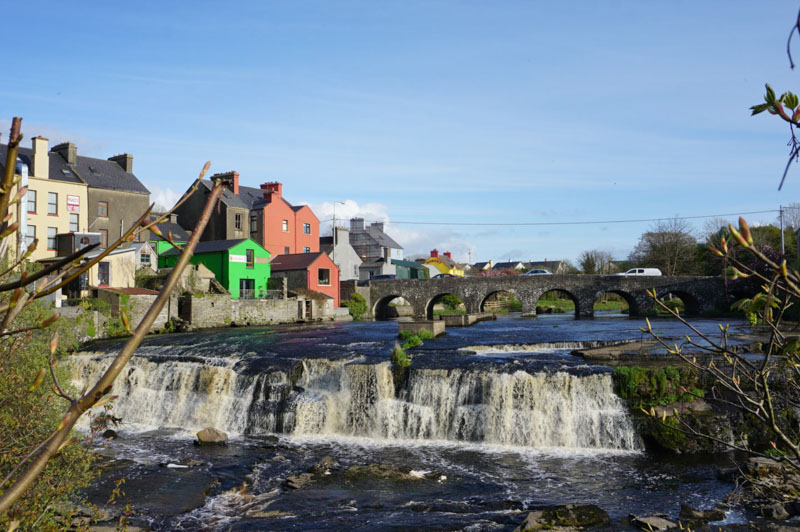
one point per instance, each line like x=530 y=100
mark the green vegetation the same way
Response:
x=649 y=387
x=554 y=306
x=356 y=305
x=451 y=302
x=28 y=413
x=448 y=312
x=411 y=340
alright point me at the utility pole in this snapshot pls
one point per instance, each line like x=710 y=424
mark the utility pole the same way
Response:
x=783 y=246
x=333 y=232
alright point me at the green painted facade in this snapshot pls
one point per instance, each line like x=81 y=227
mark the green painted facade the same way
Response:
x=230 y=267
x=161 y=246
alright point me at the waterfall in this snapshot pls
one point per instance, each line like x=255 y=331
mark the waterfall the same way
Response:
x=184 y=393
x=521 y=409
x=354 y=398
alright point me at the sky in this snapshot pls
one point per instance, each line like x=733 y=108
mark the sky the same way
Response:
x=482 y=128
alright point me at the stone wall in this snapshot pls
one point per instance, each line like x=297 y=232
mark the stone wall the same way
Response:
x=222 y=311
x=136 y=306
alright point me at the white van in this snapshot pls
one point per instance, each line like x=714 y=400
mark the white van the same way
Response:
x=642 y=271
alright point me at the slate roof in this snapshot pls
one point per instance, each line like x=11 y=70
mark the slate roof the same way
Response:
x=248 y=197
x=211 y=246
x=326 y=244
x=551 y=265
x=508 y=265
x=383 y=239
x=481 y=265
x=294 y=261
x=179 y=234
x=97 y=173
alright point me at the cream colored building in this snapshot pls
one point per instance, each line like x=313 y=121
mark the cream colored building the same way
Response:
x=56 y=202
x=117 y=269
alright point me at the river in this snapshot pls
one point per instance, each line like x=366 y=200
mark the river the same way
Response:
x=492 y=420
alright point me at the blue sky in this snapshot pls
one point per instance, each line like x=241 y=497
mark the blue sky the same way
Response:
x=454 y=112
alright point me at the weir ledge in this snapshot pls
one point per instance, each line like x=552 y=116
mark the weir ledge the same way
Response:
x=465 y=320
x=414 y=327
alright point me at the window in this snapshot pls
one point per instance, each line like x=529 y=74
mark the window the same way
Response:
x=254 y=224
x=31 y=195
x=324 y=277
x=73 y=223
x=102 y=208
x=103 y=238
x=307 y=229
x=31 y=235
x=286 y=250
x=250 y=258
x=52 y=203
x=285 y=226
x=51 y=238
x=355 y=271
x=237 y=221
x=306 y=250
x=103 y=274
x=144 y=259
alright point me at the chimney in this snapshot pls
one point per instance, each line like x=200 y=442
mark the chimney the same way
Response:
x=68 y=151
x=125 y=160
x=434 y=253
x=357 y=225
x=273 y=188
x=173 y=218
x=231 y=180
x=41 y=160
x=447 y=254
x=378 y=226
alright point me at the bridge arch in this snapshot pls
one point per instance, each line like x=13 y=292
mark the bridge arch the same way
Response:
x=380 y=309
x=633 y=305
x=576 y=300
x=691 y=305
x=432 y=302
x=485 y=299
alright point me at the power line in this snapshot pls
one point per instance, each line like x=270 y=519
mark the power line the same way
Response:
x=596 y=222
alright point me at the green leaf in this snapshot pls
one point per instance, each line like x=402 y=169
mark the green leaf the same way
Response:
x=770 y=96
x=756 y=109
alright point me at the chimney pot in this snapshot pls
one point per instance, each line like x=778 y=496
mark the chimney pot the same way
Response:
x=447 y=254
x=434 y=253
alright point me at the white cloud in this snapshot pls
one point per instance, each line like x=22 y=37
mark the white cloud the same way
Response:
x=164 y=198
x=55 y=136
x=416 y=240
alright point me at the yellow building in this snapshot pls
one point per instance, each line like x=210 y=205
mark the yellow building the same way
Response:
x=444 y=263
x=56 y=202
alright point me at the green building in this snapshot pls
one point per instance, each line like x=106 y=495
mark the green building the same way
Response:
x=407 y=269
x=241 y=265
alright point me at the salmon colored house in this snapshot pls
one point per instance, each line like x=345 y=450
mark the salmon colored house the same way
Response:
x=287 y=228
x=262 y=214
x=310 y=271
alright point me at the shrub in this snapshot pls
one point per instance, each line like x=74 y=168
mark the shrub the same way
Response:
x=648 y=387
x=356 y=305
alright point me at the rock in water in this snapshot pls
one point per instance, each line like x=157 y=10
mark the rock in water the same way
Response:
x=110 y=434
x=565 y=515
x=652 y=522
x=211 y=436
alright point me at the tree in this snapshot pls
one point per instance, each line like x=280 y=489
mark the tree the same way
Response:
x=764 y=389
x=29 y=469
x=669 y=246
x=596 y=261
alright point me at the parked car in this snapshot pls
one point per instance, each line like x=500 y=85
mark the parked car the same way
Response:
x=538 y=271
x=385 y=277
x=642 y=271
x=443 y=276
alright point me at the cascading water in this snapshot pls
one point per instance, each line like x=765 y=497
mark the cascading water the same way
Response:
x=327 y=398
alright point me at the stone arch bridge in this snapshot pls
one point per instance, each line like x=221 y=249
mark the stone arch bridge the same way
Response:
x=700 y=294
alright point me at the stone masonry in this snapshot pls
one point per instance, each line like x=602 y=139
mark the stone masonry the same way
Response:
x=699 y=294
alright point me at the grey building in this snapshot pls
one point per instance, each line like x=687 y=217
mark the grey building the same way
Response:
x=231 y=218
x=116 y=197
x=342 y=253
x=376 y=249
